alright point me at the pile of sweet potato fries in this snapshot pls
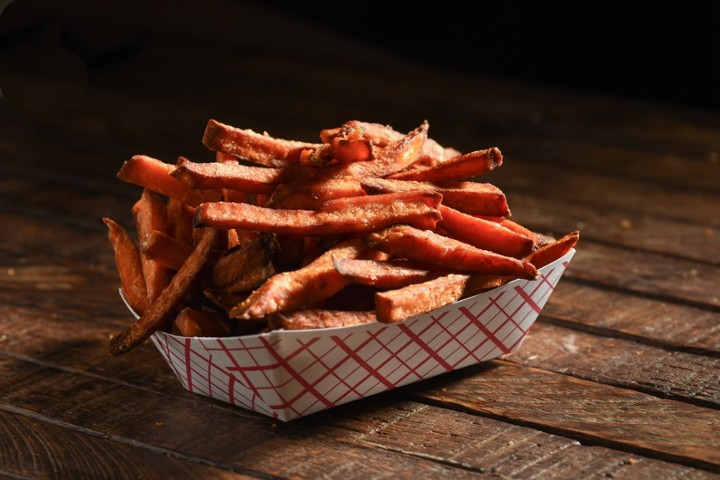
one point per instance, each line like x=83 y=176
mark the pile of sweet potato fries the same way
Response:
x=369 y=224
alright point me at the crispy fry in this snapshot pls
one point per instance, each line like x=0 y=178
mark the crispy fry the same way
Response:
x=484 y=233
x=198 y=323
x=310 y=195
x=458 y=168
x=425 y=246
x=226 y=175
x=150 y=215
x=159 y=313
x=252 y=146
x=300 y=288
x=179 y=221
x=430 y=199
x=467 y=197
x=155 y=175
x=384 y=274
x=550 y=252
x=398 y=305
x=165 y=249
x=319 y=318
x=355 y=219
x=245 y=266
x=128 y=264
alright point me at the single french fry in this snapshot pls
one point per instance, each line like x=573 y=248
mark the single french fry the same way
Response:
x=484 y=233
x=150 y=214
x=458 y=168
x=128 y=264
x=394 y=306
x=311 y=195
x=254 y=147
x=179 y=221
x=246 y=266
x=384 y=274
x=165 y=249
x=156 y=175
x=159 y=313
x=467 y=197
x=319 y=318
x=355 y=219
x=199 y=323
x=216 y=175
x=431 y=199
x=425 y=246
x=550 y=252
x=300 y=288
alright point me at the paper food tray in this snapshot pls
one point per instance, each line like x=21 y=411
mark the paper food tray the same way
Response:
x=290 y=374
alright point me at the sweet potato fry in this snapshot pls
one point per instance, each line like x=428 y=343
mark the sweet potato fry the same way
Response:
x=467 y=197
x=200 y=323
x=465 y=166
x=394 y=306
x=179 y=220
x=252 y=146
x=159 y=313
x=355 y=219
x=245 y=266
x=537 y=238
x=155 y=175
x=165 y=249
x=384 y=274
x=430 y=199
x=310 y=195
x=150 y=215
x=425 y=246
x=550 y=252
x=300 y=288
x=484 y=233
x=319 y=318
x=231 y=176
x=128 y=264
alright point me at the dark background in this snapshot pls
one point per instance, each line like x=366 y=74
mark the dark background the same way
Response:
x=666 y=52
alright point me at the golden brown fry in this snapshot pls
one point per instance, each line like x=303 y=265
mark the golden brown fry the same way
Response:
x=484 y=233
x=199 y=323
x=150 y=215
x=300 y=288
x=252 y=146
x=179 y=221
x=129 y=266
x=550 y=252
x=202 y=175
x=425 y=246
x=245 y=266
x=165 y=249
x=430 y=199
x=319 y=318
x=398 y=305
x=155 y=175
x=159 y=313
x=355 y=219
x=467 y=197
x=310 y=195
x=465 y=166
x=384 y=274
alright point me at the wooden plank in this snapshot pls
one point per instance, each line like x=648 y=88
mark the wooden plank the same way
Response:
x=196 y=428
x=682 y=376
x=649 y=320
x=658 y=276
x=590 y=412
x=498 y=448
x=37 y=447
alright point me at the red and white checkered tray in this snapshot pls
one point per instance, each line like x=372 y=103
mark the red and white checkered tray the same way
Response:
x=289 y=374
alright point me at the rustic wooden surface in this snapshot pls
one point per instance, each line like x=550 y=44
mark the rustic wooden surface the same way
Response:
x=620 y=377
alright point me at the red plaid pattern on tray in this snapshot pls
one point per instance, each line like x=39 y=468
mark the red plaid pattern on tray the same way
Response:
x=289 y=374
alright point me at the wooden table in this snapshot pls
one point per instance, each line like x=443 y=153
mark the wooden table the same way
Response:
x=618 y=378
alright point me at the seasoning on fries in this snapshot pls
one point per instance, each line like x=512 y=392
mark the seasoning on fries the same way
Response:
x=283 y=234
